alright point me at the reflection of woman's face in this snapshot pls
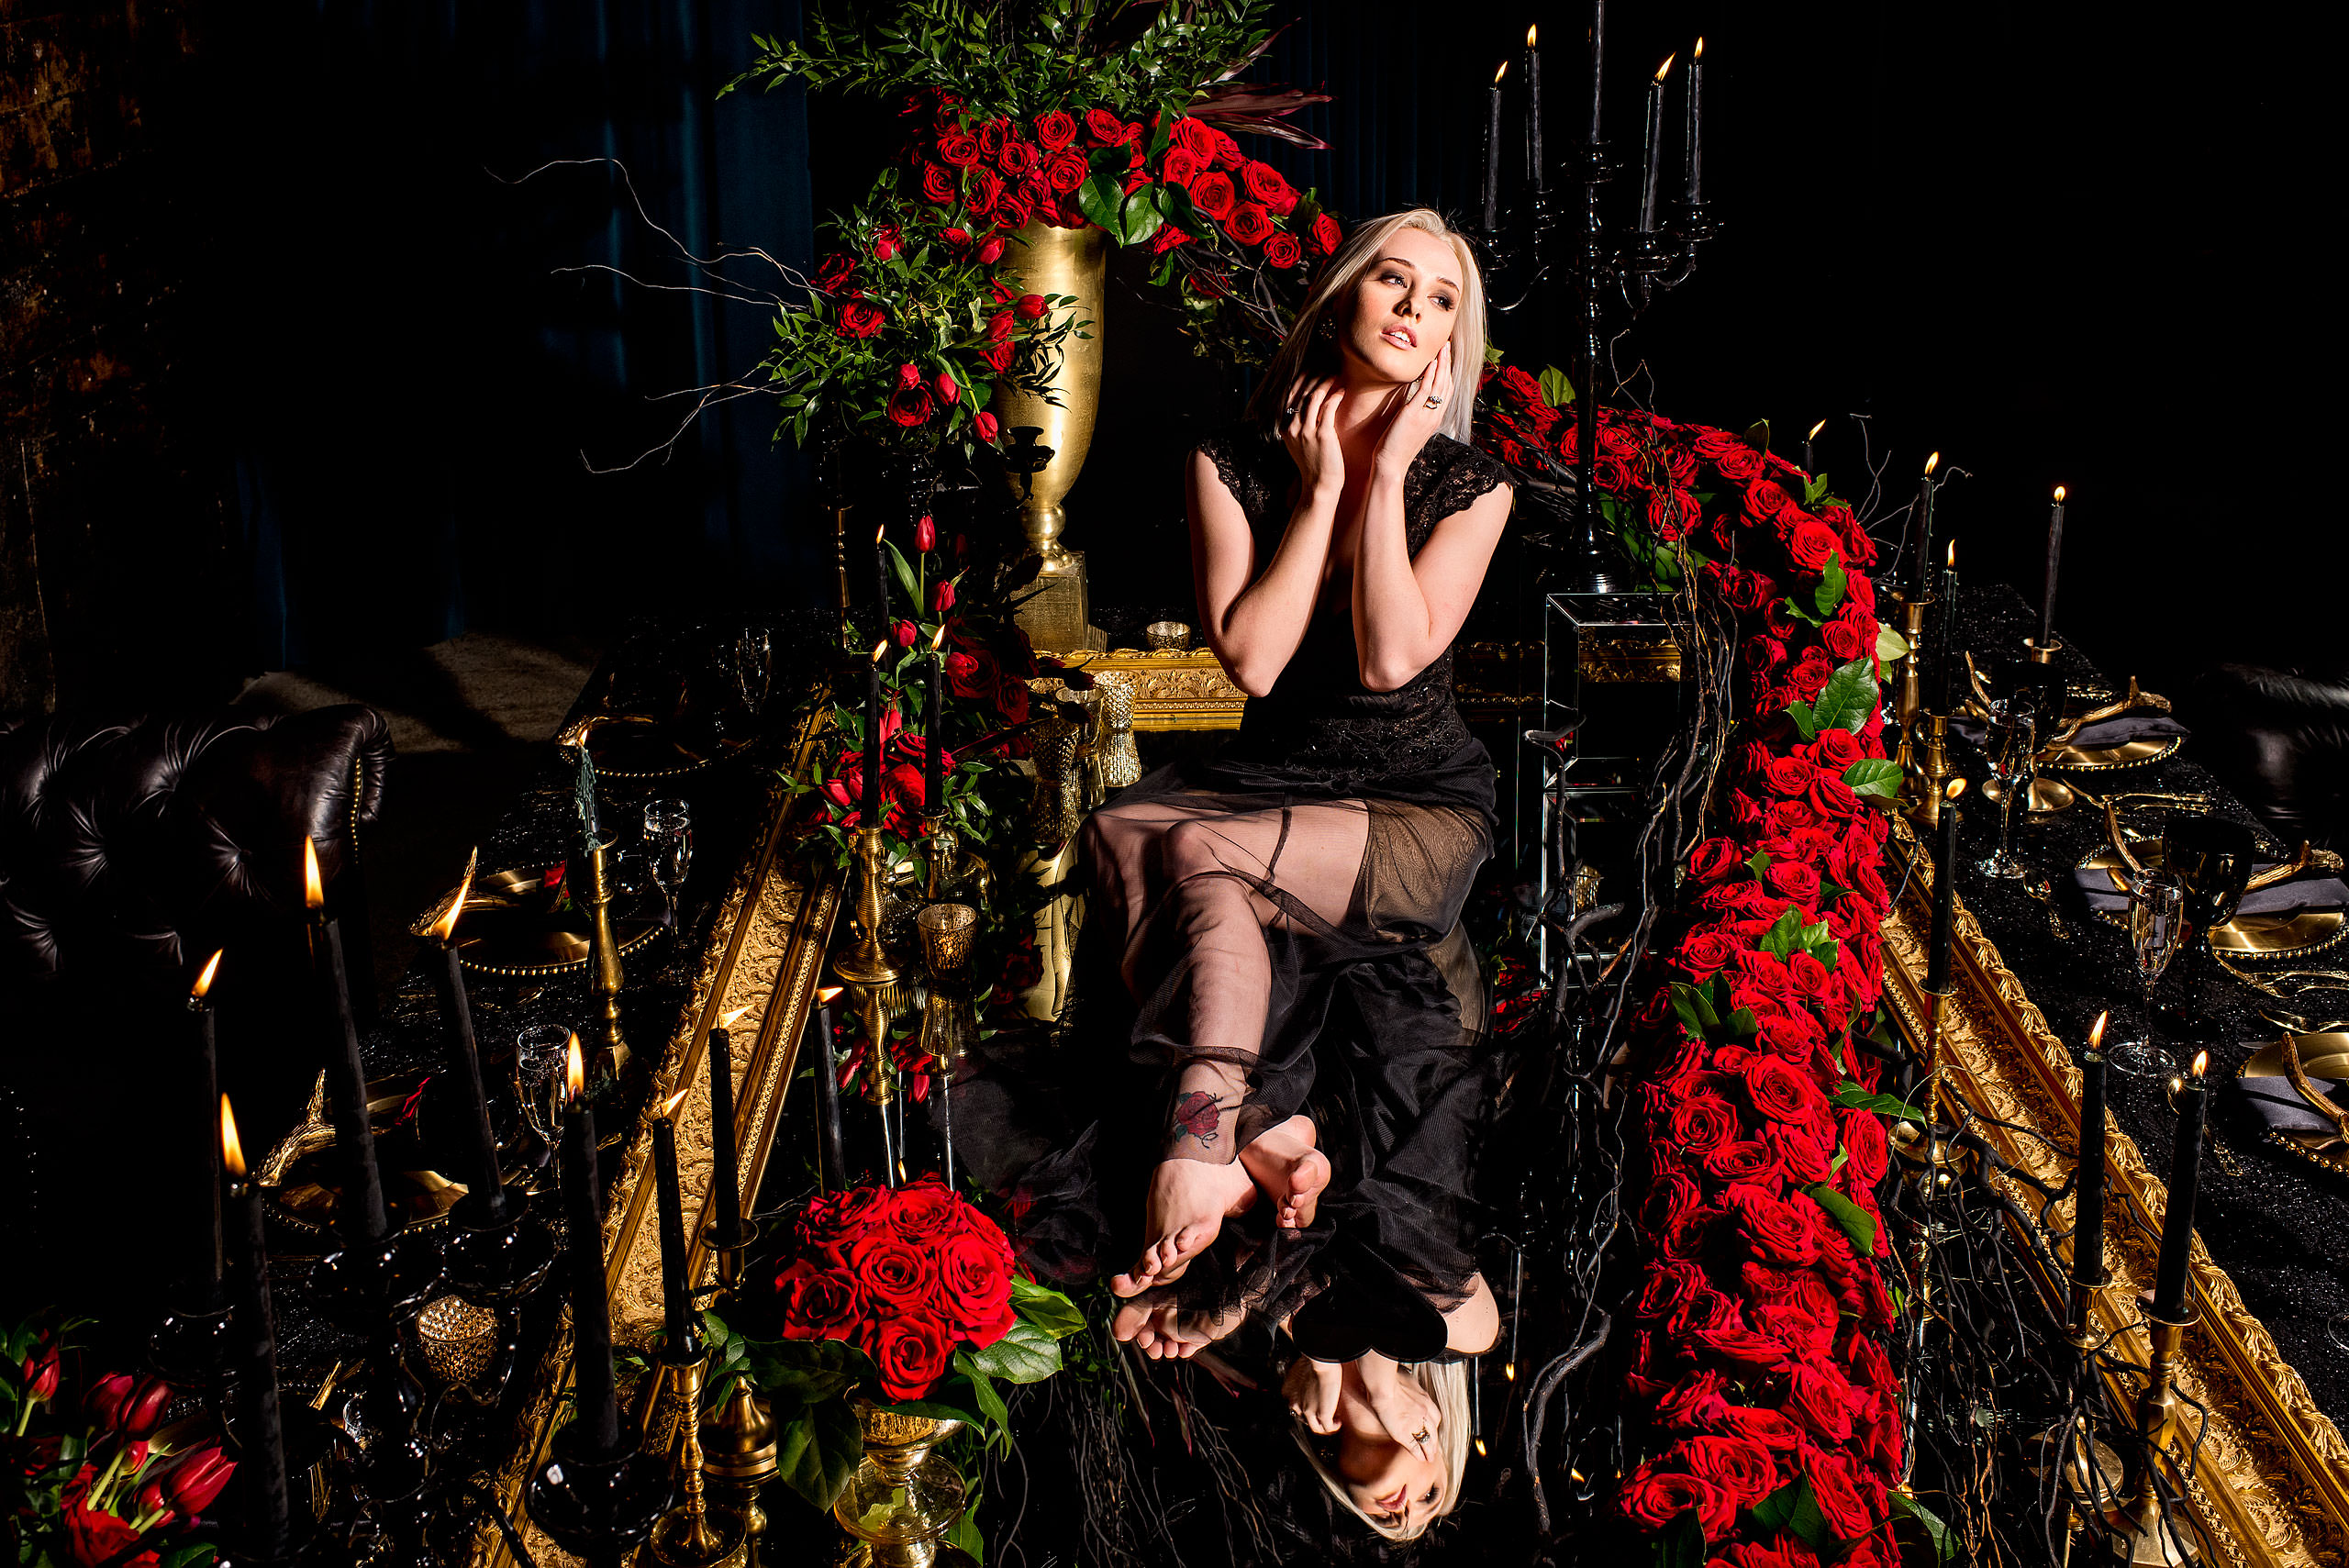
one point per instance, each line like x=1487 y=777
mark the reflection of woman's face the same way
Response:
x=1403 y=306
x=1389 y=1482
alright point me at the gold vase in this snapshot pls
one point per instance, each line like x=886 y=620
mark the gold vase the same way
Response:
x=1046 y=438
x=903 y=1498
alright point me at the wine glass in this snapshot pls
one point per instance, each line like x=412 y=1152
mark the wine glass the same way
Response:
x=2007 y=742
x=668 y=845
x=539 y=1087
x=753 y=668
x=2157 y=929
x=2212 y=859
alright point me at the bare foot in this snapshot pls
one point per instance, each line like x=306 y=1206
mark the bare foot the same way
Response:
x=1164 y=1330
x=1290 y=1169
x=1189 y=1200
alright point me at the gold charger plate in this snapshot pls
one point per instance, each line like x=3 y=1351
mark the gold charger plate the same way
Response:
x=2321 y=1056
x=632 y=746
x=512 y=925
x=2106 y=759
x=2294 y=934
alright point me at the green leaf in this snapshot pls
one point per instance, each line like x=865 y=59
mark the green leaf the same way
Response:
x=1557 y=388
x=808 y=1371
x=1857 y=1223
x=1681 y=1543
x=1945 y=1543
x=1852 y=1096
x=816 y=1454
x=1695 y=1009
x=1852 y=692
x=1757 y=435
x=1742 y=1024
x=1758 y=863
x=985 y=1393
x=1100 y=199
x=1803 y=719
x=1814 y=490
x=1785 y=935
x=1874 y=778
x=964 y=1533
x=1793 y=1510
x=1047 y=1308
x=1889 y=644
x=187 y=1556
x=1832 y=583
x=1025 y=1355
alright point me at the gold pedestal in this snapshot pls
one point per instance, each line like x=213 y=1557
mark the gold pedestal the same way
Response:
x=2141 y=1535
x=903 y=1498
x=866 y=962
x=737 y=1449
x=604 y=964
x=1932 y=770
x=1911 y=700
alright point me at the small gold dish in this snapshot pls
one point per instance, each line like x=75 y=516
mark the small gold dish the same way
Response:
x=516 y=927
x=2291 y=933
x=2321 y=1056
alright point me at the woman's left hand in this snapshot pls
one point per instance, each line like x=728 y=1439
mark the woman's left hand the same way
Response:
x=1402 y=1406
x=1420 y=410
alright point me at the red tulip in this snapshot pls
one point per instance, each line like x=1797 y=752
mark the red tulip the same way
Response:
x=991 y=252
x=945 y=597
x=1031 y=306
x=153 y=1505
x=191 y=1484
x=134 y=1458
x=133 y=1410
x=909 y=377
x=40 y=1367
x=984 y=421
x=925 y=537
x=954 y=235
x=905 y=633
x=947 y=390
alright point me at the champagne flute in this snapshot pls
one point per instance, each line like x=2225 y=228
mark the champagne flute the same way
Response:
x=668 y=845
x=2157 y=929
x=2213 y=860
x=538 y=1089
x=2008 y=742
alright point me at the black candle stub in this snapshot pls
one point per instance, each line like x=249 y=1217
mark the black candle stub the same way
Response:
x=591 y=1316
x=260 y=1421
x=485 y=1204
x=831 y=1157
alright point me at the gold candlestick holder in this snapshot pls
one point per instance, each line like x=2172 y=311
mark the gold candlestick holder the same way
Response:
x=866 y=962
x=1910 y=699
x=693 y=1534
x=737 y=1445
x=604 y=962
x=2141 y=1532
x=2042 y=654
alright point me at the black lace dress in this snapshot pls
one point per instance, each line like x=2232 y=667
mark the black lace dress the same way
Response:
x=1357 y=819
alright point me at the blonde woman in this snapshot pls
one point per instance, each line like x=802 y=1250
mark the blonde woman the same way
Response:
x=1289 y=911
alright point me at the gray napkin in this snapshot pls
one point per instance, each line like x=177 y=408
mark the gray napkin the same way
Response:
x=2278 y=1106
x=2284 y=898
x=2097 y=736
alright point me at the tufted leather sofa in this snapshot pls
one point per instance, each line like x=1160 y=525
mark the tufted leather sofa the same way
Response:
x=2279 y=739
x=131 y=846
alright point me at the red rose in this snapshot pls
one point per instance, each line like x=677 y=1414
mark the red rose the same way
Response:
x=1796 y=880
x=1810 y=544
x=1179 y=168
x=912 y=408
x=1697 y=1400
x=1766 y=501
x=1281 y=251
x=1746 y=1353
x=1703 y=952
x=1729 y=454
x=1167 y=238
x=1030 y=306
x=1268 y=189
x=1017 y=159
x=1055 y=130
x=1064 y=172
x=1788 y=776
x=940 y=184
x=1820 y=1398
x=1792 y=1034
x=1849 y=637
x=1780 y=1092
x=959 y=147
x=986 y=190
x=1195 y=140
x=1848 y=1518
x=975 y=1283
x=925 y=1211
x=1738 y=1466
x=861 y=319
x=910 y=1352
x=1655 y=1498
x=1703 y=1121
x=1747 y=1160
x=1250 y=224
x=1810 y=674
x=1866 y=1150
x=1768 y=1428
x=1105 y=129
x=894 y=1274
x=818 y=1304
x=985 y=423
x=1831 y=797
x=835 y=275
x=1780 y=1231
x=1323 y=234
x=93 y=1537
x=1785 y=1553
x=993 y=135
x=1837 y=750
x=1215 y=195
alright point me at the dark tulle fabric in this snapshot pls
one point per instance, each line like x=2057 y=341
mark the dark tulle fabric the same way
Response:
x=1286 y=916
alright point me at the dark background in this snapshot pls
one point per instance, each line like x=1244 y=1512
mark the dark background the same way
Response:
x=290 y=367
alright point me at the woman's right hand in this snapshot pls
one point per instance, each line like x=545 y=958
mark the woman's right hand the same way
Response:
x=1402 y=1406
x=1313 y=1390
x=1309 y=430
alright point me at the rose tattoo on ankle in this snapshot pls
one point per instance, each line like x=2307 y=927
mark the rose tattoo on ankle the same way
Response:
x=1197 y=1114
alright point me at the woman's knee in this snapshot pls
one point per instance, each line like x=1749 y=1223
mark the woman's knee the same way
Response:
x=1194 y=849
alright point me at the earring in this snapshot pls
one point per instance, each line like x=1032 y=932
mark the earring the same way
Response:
x=1325 y=329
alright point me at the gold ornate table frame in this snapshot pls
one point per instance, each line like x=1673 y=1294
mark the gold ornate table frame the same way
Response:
x=765 y=955
x=2271 y=1485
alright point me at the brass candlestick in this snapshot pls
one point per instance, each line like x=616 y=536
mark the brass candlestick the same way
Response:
x=737 y=1446
x=2141 y=1534
x=865 y=962
x=1932 y=769
x=1911 y=700
x=604 y=962
x=2039 y=655
x=693 y=1534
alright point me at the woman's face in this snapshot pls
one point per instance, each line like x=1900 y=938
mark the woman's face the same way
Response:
x=1389 y=1482
x=1405 y=305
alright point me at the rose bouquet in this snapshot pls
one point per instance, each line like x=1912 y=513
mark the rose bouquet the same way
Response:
x=84 y=1481
x=905 y=1297
x=1772 y=1410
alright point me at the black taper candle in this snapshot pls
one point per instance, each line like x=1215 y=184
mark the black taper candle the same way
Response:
x=869 y=814
x=1695 y=166
x=934 y=725
x=1924 y=575
x=1937 y=957
x=1535 y=159
x=829 y=1152
x=1946 y=670
x=360 y=1213
x=725 y=1160
x=881 y=581
x=2054 y=556
x=597 y=1406
x=1597 y=64
x=212 y=1251
x=2088 y=1210
x=680 y=1336
x=261 y=1419
x=1651 y=149
x=1493 y=153
x=2185 y=1182
x=485 y=1204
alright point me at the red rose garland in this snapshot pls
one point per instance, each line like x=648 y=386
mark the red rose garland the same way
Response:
x=1756 y=1350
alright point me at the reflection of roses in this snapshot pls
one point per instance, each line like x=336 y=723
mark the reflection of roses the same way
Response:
x=910 y=1352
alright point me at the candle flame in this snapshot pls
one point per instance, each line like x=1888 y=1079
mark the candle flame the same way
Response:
x=1698 y=53
x=313 y=890
x=668 y=1110
x=1666 y=66
x=879 y=648
x=1533 y=35
x=1952 y=555
x=1932 y=464
x=446 y=925
x=2059 y=495
x=2201 y=1062
x=826 y=993
x=1502 y=72
x=2096 y=1031
x=204 y=981
x=1953 y=789
x=938 y=641
x=1508 y=1371
x=575 y=1069
x=880 y=532
x=1822 y=424
x=728 y=1021
x=232 y=1153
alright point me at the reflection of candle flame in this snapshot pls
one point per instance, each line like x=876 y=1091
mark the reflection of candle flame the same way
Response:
x=2096 y=1032
x=446 y=925
x=669 y=1106
x=2201 y=1062
x=1500 y=73
x=1532 y=33
x=232 y=1153
x=2059 y=495
x=313 y=891
x=827 y=993
x=204 y=981
x=575 y=1069
x=728 y=1021
x=1822 y=424
x=1953 y=789
x=1666 y=66
x=1508 y=1371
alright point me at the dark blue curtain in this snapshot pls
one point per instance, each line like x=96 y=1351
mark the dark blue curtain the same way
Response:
x=418 y=361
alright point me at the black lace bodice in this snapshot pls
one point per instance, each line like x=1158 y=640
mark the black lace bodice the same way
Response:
x=1318 y=716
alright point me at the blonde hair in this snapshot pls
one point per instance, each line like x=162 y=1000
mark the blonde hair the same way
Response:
x=1447 y=1384
x=1305 y=352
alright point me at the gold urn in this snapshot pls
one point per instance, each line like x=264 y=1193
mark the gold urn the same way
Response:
x=1045 y=438
x=904 y=1498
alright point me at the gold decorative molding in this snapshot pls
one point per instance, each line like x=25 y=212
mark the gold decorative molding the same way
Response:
x=2271 y=1484
x=1173 y=690
x=764 y=957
